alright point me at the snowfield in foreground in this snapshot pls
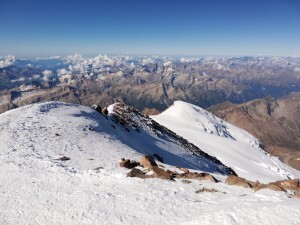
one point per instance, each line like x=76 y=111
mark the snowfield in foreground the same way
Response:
x=38 y=189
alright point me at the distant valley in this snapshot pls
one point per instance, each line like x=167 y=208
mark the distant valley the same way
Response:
x=147 y=82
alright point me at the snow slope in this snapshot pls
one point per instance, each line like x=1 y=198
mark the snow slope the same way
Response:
x=231 y=145
x=36 y=188
x=51 y=130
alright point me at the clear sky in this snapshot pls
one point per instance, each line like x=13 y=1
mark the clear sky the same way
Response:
x=170 y=27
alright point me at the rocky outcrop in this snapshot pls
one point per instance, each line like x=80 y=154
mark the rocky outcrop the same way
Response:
x=148 y=162
x=137 y=173
x=281 y=185
x=271 y=186
x=149 y=112
x=161 y=173
x=208 y=190
x=185 y=170
x=197 y=176
x=128 y=164
x=63 y=158
x=289 y=184
x=238 y=181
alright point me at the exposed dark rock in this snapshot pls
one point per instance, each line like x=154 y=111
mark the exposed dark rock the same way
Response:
x=186 y=181
x=99 y=168
x=209 y=190
x=64 y=158
x=105 y=111
x=137 y=173
x=98 y=109
x=158 y=157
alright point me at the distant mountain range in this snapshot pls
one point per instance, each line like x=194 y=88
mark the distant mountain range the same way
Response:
x=147 y=82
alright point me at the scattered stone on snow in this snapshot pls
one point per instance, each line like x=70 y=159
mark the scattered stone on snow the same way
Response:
x=64 y=158
x=99 y=168
x=238 y=181
x=197 y=176
x=128 y=164
x=186 y=181
x=209 y=190
x=137 y=173
x=185 y=170
x=281 y=185
x=160 y=173
x=271 y=186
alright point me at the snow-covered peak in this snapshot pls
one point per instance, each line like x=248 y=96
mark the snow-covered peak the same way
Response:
x=79 y=132
x=208 y=122
x=231 y=145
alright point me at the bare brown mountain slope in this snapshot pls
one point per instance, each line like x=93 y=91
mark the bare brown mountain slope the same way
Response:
x=276 y=123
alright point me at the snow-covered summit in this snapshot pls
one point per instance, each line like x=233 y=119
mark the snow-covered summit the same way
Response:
x=47 y=131
x=231 y=145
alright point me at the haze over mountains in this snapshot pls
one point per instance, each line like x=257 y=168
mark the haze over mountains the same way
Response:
x=142 y=82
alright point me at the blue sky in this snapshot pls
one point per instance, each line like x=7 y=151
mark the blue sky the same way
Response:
x=189 y=27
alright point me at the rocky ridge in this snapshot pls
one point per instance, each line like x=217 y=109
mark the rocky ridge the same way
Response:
x=131 y=119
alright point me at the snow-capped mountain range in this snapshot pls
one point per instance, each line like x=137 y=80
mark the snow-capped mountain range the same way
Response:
x=143 y=81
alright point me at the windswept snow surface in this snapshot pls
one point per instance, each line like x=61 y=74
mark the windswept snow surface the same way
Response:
x=233 y=146
x=35 y=188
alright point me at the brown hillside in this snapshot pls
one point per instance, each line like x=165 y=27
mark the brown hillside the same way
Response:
x=276 y=123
